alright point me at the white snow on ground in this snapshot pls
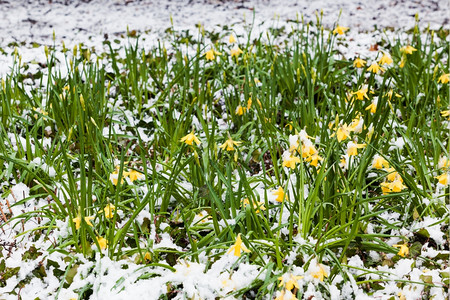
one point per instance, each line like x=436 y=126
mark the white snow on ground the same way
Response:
x=91 y=22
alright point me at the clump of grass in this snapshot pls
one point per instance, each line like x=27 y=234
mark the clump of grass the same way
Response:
x=285 y=158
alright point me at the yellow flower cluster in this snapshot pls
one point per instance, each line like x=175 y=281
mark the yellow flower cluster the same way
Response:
x=305 y=148
x=132 y=175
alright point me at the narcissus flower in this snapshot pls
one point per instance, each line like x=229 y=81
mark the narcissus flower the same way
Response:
x=102 y=242
x=256 y=205
x=285 y=295
x=238 y=247
x=211 y=54
x=352 y=148
x=189 y=138
x=402 y=62
x=319 y=272
x=445 y=113
x=240 y=110
x=385 y=59
x=404 y=250
x=280 y=194
x=444 y=163
x=343 y=132
x=443 y=178
x=77 y=221
x=444 y=78
x=134 y=175
x=392 y=187
x=289 y=281
x=361 y=93
x=236 y=51
x=109 y=210
x=340 y=30
x=314 y=159
x=229 y=144
x=290 y=161
x=408 y=49
x=391 y=93
x=231 y=39
x=379 y=162
x=372 y=107
x=359 y=63
x=375 y=68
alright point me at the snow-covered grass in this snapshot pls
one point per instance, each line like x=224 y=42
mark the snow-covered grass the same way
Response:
x=298 y=164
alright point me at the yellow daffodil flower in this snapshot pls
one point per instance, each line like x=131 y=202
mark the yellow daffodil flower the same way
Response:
x=352 y=148
x=286 y=295
x=211 y=54
x=393 y=175
x=77 y=221
x=443 y=178
x=403 y=62
x=444 y=78
x=235 y=52
x=280 y=194
x=392 y=187
x=372 y=107
x=290 y=282
x=340 y=30
x=290 y=161
x=404 y=250
x=240 y=110
x=314 y=159
x=320 y=273
x=231 y=39
x=249 y=103
x=391 y=93
x=408 y=49
x=102 y=242
x=361 y=93
x=134 y=175
x=379 y=162
x=385 y=59
x=359 y=63
x=256 y=205
x=445 y=113
x=375 y=68
x=229 y=144
x=109 y=210
x=188 y=139
x=343 y=133
x=444 y=163
x=238 y=247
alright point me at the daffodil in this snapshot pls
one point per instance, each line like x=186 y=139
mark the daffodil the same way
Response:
x=444 y=163
x=443 y=178
x=210 y=54
x=403 y=61
x=357 y=124
x=285 y=295
x=290 y=161
x=256 y=205
x=404 y=250
x=444 y=78
x=235 y=52
x=379 y=162
x=77 y=221
x=361 y=93
x=109 y=210
x=229 y=144
x=385 y=59
x=134 y=175
x=375 y=68
x=319 y=272
x=189 y=138
x=352 y=148
x=314 y=159
x=408 y=49
x=238 y=247
x=231 y=39
x=102 y=242
x=340 y=30
x=372 y=107
x=445 y=113
x=359 y=63
x=280 y=194
x=240 y=110
x=289 y=281
x=392 y=187
x=393 y=175
x=391 y=93
x=343 y=132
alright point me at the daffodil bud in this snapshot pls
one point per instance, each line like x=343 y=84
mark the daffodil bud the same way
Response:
x=82 y=103
x=46 y=51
